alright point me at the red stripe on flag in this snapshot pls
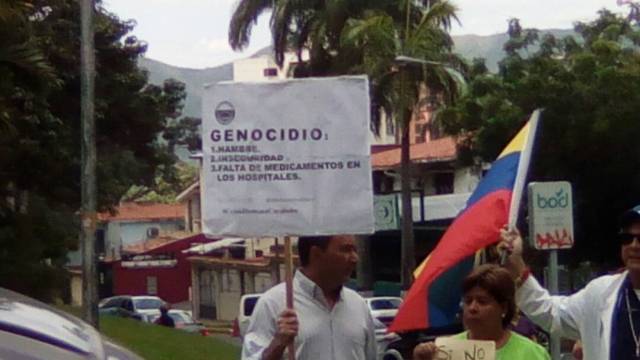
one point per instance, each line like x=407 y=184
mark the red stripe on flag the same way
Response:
x=477 y=227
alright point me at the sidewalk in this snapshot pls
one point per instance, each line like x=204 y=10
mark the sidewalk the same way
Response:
x=218 y=326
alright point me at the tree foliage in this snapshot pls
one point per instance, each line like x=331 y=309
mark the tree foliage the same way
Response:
x=589 y=88
x=40 y=131
x=367 y=37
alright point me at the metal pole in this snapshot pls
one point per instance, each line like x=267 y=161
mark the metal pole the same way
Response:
x=408 y=243
x=554 y=340
x=88 y=168
x=407 y=249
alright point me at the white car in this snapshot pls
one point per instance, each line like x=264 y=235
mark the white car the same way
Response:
x=30 y=330
x=384 y=308
x=383 y=338
x=137 y=307
x=247 y=304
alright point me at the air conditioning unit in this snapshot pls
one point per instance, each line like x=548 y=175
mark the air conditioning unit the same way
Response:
x=153 y=232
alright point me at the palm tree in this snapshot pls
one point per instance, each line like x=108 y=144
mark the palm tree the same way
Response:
x=402 y=58
x=367 y=36
x=19 y=54
x=313 y=25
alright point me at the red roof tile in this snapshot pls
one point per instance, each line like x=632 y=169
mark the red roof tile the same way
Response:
x=144 y=211
x=156 y=244
x=435 y=150
x=144 y=246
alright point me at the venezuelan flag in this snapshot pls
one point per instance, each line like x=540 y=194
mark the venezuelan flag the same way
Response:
x=434 y=297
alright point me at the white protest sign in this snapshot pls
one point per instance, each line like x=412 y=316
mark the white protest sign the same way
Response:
x=551 y=215
x=287 y=158
x=450 y=348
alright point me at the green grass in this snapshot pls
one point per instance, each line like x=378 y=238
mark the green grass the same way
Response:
x=154 y=342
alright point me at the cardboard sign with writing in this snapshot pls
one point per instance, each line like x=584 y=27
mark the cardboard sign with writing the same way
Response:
x=460 y=349
x=289 y=157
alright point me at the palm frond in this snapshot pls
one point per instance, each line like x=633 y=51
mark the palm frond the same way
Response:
x=28 y=59
x=10 y=9
x=244 y=16
x=281 y=21
x=441 y=13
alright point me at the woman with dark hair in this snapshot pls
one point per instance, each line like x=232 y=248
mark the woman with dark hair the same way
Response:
x=487 y=309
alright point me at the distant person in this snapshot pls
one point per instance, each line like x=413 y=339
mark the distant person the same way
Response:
x=525 y=327
x=488 y=306
x=165 y=319
x=328 y=321
x=604 y=315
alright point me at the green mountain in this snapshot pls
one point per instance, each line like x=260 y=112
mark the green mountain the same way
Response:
x=469 y=46
x=490 y=47
x=194 y=80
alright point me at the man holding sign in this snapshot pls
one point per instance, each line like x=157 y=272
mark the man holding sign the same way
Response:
x=487 y=309
x=328 y=321
x=287 y=158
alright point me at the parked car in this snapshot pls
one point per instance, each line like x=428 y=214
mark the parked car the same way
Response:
x=245 y=309
x=384 y=308
x=183 y=321
x=136 y=307
x=30 y=329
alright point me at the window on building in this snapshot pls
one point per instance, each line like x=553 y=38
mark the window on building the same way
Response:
x=391 y=126
x=421 y=133
x=230 y=280
x=152 y=285
x=444 y=183
x=189 y=216
x=435 y=132
x=270 y=72
x=100 y=243
x=153 y=232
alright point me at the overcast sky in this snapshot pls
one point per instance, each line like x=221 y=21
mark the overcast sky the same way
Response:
x=193 y=33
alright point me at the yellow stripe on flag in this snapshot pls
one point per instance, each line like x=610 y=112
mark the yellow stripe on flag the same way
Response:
x=517 y=144
x=420 y=267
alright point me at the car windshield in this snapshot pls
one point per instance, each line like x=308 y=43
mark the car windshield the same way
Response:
x=109 y=303
x=181 y=318
x=385 y=304
x=146 y=304
x=249 y=304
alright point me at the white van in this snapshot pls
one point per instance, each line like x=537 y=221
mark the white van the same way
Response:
x=247 y=304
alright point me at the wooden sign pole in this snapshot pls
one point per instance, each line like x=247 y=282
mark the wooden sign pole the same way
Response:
x=288 y=268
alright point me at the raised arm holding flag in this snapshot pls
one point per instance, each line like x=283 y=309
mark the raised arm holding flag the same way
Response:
x=434 y=297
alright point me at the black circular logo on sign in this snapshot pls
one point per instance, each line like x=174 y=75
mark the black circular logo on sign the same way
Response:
x=225 y=113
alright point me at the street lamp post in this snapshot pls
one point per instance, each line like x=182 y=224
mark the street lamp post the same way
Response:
x=88 y=216
x=408 y=242
x=408 y=260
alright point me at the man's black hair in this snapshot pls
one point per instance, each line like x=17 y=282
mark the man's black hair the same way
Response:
x=305 y=244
